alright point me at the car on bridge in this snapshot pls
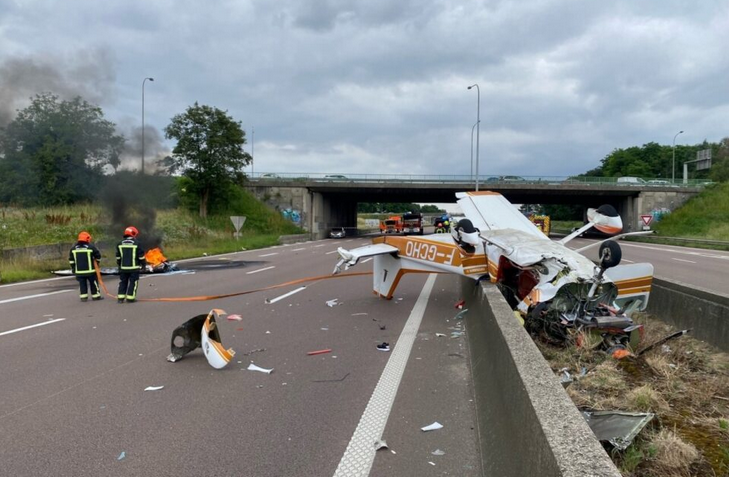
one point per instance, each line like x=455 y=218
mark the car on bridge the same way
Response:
x=335 y=177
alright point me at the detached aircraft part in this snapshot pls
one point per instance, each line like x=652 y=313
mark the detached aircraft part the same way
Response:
x=617 y=428
x=201 y=331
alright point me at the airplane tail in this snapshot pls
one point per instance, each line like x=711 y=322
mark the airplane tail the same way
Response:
x=634 y=284
x=387 y=271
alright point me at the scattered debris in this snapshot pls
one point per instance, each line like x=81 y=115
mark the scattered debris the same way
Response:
x=461 y=314
x=235 y=317
x=200 y=331
x=457 y=355
x=121 y=456
x=268 y=332
x=615 y=427
x=663 y=341
x=431 y=463
x=384 y=347
x=432 y=426
x=438 y=334
x=153 y=389
x=319 y=352
x=380 y=444
x=437 y=452
x=332 y=303
x=240 y=328
x=256 y=368
x=325 y=328
x=456 y=334
x=383 y=327
x=460 y=304
x=335 y=380
x=360 y=313
x=566 y=378
x=254 y=351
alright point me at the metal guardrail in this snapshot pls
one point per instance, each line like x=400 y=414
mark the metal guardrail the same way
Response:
x=711 y=242
x=483 y=180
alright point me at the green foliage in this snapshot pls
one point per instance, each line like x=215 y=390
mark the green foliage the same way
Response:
x=563 y=212
x=430 y=208
x=703 y=216
x=720 y=162
x=53 y=152
x=209 y=152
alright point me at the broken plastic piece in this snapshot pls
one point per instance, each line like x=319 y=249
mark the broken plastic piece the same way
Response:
x=256 y=368
x=620 y=354
x=121 y=456
x=431 y=463
x=432 y=426
x=438 y=334
x=332 y=303
x=380 y=444
x=460 y=304
x=615 y=427
x=437 y=452
x=218 y=357
x=235 y=317
x=152 y=389
x=189 y=334
x=461 y=314
x=384 y=347
x=319 y=352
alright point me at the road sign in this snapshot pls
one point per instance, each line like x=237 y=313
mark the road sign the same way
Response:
x=238 y=222
x=647 y=219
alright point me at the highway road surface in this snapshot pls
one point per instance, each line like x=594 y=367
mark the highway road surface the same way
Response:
x=73 y=375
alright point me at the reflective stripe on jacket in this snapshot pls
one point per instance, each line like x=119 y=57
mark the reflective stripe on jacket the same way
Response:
x=82 y=257
x=129 y=255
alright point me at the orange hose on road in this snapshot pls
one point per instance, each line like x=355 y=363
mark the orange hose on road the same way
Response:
x=233 y=294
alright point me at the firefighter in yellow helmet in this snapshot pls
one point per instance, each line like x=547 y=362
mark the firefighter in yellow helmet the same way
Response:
x=82 y=257
x=130 y=259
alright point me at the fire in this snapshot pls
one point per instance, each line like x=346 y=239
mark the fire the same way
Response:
x=155 y=257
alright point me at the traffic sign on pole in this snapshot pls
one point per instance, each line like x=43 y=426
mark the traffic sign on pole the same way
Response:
x=647 y=219
x=238 y=222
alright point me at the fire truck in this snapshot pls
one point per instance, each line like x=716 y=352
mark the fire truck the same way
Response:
x=412 y=223
x=391 y=225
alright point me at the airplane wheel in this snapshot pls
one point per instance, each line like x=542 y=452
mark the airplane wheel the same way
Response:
x=610 y=254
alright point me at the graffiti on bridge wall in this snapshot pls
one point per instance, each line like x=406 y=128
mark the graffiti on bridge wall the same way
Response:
x=292 y=215
x=660 y=213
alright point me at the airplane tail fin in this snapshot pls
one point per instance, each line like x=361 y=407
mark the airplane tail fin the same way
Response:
x=634 y=284
x=387 y=271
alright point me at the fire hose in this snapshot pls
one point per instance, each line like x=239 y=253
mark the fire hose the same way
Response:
x=233 y=294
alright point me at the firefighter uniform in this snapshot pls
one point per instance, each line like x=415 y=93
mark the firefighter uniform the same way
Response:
x=130 y=259
x=82 y=257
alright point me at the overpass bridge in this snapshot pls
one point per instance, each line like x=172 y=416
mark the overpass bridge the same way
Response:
x=318 y=202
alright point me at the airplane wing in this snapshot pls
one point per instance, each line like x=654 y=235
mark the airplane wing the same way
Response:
x=350 y=258
x=489 y=211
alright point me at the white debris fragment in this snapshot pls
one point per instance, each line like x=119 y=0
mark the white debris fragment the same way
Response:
x=332 y=303
x=256 y=368
x=438 y=334
x=380 y=444
x=432 y=426
x=437 y=452
x=153 y=389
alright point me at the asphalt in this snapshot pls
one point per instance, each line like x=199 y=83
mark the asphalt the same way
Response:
x=72 y=401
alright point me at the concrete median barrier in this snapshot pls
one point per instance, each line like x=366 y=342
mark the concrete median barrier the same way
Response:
x=527 y=424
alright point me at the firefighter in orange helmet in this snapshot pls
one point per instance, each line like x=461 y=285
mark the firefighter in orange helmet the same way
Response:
x=130 y=259
x=82 y=257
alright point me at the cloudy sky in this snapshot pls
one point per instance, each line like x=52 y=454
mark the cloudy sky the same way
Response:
x=379 y=86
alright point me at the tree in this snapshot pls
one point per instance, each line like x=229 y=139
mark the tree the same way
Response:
x=720 y=166
x=209 y=151
x=54 y=152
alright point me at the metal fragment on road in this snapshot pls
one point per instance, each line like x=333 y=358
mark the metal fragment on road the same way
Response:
x=616 y=427
x=256 y=368
x=380 y=444
x=432 y=426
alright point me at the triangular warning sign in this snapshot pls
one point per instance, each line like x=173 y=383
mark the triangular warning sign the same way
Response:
x=646 y=218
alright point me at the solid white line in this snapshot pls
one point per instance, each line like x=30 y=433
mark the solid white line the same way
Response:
x=15 y=284
x=683 y=260
x=330 y=252
x=285 y=295
x=360 y=453
x=269 y=254
x=367 y=260
x=320 y=245
x=299 y=249
x=31 y=326
x=261 y=270
x=33 y=296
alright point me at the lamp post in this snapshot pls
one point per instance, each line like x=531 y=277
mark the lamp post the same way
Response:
x=472 y=128
x=143 y=81
x=673 y=168
x=478 y=126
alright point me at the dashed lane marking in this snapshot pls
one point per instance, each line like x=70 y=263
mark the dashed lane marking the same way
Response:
x=26 y=297
x=269 y=254
x=31 y=326
x=261 y=270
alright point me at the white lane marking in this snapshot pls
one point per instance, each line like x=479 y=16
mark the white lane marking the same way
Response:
x=360 y=454
x=683 y=260
x=34 y=281
x=299 y=249
x=320 y=245
x=261 y=270
x=367 y=260
x=628 y=260
x=31 y=326
x=26 y=297
x=330 y=252
x=269 y=254
x=686 y=251
x=285 y=295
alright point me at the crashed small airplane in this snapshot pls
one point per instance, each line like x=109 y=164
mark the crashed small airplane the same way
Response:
x=552 y=288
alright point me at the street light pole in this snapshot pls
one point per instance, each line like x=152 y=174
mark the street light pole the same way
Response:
x=472 y=128
x=478 y=126
x=143 y=81
x=673 y=168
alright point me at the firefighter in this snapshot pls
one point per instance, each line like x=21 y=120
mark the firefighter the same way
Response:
x=82 y=257
x=130 y=259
